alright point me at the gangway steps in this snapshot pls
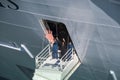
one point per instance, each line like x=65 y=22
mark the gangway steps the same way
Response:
x=56 y=72
x=55 y=69
x=72 y=71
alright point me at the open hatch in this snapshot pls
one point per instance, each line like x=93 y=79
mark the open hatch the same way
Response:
x=62 y=67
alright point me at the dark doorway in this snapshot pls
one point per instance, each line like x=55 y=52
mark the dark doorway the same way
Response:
x=59 y=34
x=58 y=29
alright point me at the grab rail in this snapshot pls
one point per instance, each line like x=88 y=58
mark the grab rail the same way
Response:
x=67 y=57
x=42 y=56
x=45 y=54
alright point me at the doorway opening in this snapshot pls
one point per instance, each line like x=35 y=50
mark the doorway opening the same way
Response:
x=59 y=31
x=59 y=55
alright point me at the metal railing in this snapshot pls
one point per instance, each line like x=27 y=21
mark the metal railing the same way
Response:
x=45 y=54
x=66 y=58
x=42 y=56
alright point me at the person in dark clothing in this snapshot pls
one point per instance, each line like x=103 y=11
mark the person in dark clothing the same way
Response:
x=70 y=48
x=59 y=42
x=63 y=48
x=59 y=47
x=55 y=50
x=54 y=44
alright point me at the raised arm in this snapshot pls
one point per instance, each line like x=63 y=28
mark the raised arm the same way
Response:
x=49 y=36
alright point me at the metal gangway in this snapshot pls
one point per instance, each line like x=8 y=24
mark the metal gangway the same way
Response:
x=55 y=69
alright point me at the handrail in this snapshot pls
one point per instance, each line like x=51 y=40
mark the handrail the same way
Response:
x=42 y=50
x=42 y=59
x=67 y=53
x=45 y=53
x=42 y=56
x=66 y=57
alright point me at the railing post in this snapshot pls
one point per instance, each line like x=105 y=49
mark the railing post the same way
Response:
x=49 y=50
x=61 y=66
x=42 y=56
x=72 y=53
